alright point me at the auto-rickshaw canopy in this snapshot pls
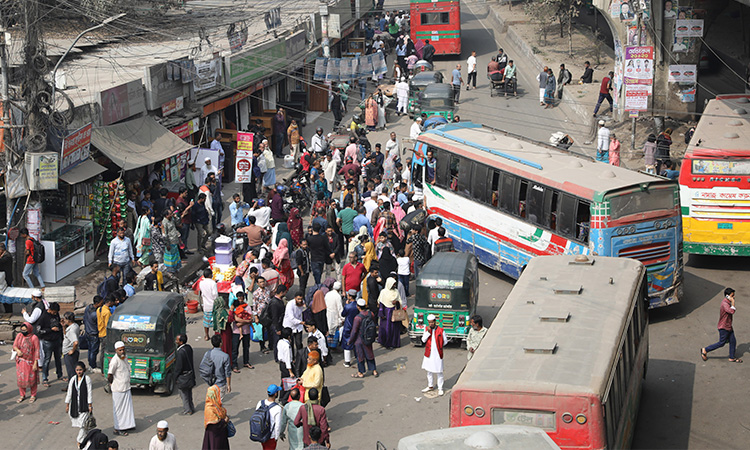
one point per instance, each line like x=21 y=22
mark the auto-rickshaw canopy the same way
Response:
x=147 y=315
x=448 y=278
x=422 y=79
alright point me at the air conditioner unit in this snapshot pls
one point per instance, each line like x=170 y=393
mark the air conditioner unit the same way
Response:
x=42 y=170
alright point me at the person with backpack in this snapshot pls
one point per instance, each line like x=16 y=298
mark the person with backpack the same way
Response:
x=103 y=313
x=300 y=260
x=435 y=339
x=363 y=334
x=91 y=327
x=265 y=423
x=34 y=254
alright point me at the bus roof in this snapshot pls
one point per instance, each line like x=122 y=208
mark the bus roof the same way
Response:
x=490 y=437
x=546 y=163
x=556 y=331
x=723 y=128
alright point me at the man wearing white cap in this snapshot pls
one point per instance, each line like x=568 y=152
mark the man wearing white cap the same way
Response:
x=164 y=440
x=416 y=128
x=363 y=346
x=602 y=143
x=435 y=339
x=118 y=376
x=207 y=168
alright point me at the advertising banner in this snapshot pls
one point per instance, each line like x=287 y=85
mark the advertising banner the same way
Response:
x=636 y=97
x=683 y=73
x=243 y=170
x=75 y=148
x=639 y=65
x=688 y=28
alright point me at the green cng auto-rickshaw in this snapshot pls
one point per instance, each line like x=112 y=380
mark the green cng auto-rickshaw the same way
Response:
x=417 y=84
x=436 y=100
x=148 y=323
x=448 y=287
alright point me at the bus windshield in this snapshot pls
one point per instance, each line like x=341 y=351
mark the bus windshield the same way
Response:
x=721 y=166
x=638 y=202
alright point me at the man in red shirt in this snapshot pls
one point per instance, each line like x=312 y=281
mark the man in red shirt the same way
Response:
x=31 y=266
x=726 y=333
x=604 y=90
x=353 y=273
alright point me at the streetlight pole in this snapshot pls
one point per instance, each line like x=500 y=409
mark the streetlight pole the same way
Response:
x=106 y=21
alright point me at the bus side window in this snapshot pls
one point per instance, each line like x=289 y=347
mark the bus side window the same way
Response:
x=416 y=173
x=479 y=183
x=521 y=199
x=454 y=168
x=535 y=204
x=566 y=219
x=494 y=198
x=551 y=199
x=442 y=177
x=464 y=181
x=583 y=220
x=507 y=191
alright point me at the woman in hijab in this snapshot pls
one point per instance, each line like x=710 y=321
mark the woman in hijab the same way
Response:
x=294 y=224
x=387 y=262
x=26 y=346
x=380 y=100
x=379 y=228
x=215 y=419
x=370 y=255
x=158 y=243
x=222 y=319
x=389 y=334
x=282 y=232
x=389 y=167
x=78 y=400
x=319 y=312
x=371 y=113
x=398 y=212
x=283 y=265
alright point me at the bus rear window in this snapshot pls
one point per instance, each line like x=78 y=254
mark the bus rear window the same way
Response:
x=436 y=18
x=641 y=202
x=539 y=419
x=721 y=166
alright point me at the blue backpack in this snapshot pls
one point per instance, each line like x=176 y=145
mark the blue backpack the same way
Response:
x=260 y=422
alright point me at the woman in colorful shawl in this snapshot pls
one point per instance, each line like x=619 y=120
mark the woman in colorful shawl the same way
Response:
x=389 y=333
x=215 y=419
x=222 y=318
x=379 y=228
x=26 y=346
x=282 y=263
x=78 y=400
x=294 y=223
x=142 y=237
x=370 y=255
x=389 y=167
x=172 y=259
x=371 y=113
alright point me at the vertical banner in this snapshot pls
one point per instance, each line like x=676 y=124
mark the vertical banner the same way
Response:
x=639 y=65
x=243 y=170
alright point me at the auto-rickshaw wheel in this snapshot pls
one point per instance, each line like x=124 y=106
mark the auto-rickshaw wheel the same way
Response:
x=417 y=342
x=169 y=385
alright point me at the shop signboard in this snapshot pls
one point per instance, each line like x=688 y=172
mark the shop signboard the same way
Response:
x=123 y=101
x=172 y=106
x=334 y=26
x=244 y=141
x=186 y=129
x=163 y=83
x=75 y=148
x=207 y=75
x=296 y=45
x=256 y=63
x=243 y=165
x=639 y=65
x=683 y=73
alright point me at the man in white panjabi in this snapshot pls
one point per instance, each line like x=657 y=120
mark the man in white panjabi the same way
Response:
x=118 y=376
x=435 y=339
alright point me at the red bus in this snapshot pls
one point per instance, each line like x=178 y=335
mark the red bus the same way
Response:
x=567 y=353
x=438 y=21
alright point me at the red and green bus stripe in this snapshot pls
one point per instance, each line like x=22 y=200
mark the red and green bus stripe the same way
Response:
x=442 y=34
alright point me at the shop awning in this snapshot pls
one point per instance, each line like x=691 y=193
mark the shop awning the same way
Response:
x=83 y=172
x=137 y=143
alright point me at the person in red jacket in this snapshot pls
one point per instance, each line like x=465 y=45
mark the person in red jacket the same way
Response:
x=435 y=339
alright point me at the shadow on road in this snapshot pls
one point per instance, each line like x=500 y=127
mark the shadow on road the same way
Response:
x=698 y=291
x=665 y=412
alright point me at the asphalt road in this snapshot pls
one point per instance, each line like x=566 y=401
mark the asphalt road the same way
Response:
x=686 y=403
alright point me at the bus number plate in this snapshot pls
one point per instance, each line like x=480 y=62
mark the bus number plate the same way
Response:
x=725 y=226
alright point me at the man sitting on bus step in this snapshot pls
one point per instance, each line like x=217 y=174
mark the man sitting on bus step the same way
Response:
x=435 y=339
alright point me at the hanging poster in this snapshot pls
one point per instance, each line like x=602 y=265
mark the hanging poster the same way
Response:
x=614 y=9
x=75 y=148
x=683 y=73
x=243 y=170
x=332 y=72
x=687 y=94
x=636 y=97
x=244 y=141
x=321 y=68
x=639 y=65
x=688 y=28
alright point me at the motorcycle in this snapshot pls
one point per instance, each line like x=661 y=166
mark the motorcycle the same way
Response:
x=299 y=192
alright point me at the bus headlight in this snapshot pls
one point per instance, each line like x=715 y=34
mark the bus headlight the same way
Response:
x=580 y=419
x=479 y=411
x=567 y=417
x=468 y=410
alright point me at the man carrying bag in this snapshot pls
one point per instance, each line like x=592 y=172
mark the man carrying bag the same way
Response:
x=185 y=373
